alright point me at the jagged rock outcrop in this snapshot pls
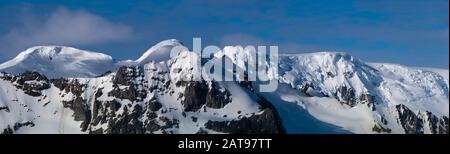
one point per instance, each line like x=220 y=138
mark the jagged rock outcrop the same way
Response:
x=79 y=106
x=267 y=121
x=346 y=96
x=199 y=94
x=131 y=101
x=127 y=76
x=32 y=83
x=5 y=108
x=409 y=120
x=437 y=125
x=194 y=96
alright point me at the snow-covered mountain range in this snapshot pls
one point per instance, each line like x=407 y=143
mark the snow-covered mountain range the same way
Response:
x=56 y=89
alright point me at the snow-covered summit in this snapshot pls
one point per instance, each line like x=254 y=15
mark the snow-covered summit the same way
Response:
x=59 y=61
x=160 y=52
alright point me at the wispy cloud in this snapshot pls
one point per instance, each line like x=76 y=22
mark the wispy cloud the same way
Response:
x=61 y=27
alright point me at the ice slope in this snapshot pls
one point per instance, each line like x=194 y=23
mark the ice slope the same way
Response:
x=59 y=61
x=419 y=89
x=391 y=85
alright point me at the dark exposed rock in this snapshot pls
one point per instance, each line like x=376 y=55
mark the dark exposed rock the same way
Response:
x=383 y=120
x=152 y=115
x=433 y=122
x=127 y=123
x=408 y=120
x=104 y=111
x=154 y=105
x=201 y=131
x=99 y=93
x=98 y=131
x=126 y=76
x=198 y=94
x=304 y=88
x=6 y=76
x=437 y=125
x=78 y=105
x=18 y=125
x=129 y=93
x=32 y=83
x=331 y=75
x=194 y=119
x=267 y=122
x=194 y=96
x=7 y=130
x=369 y=100
x=75 y=87
x=29 y=76
x=113 y=105
x=81 y=111
x=276 y=119
x=152 y=126
x=169 y=123
x=97 y=113
x=346 y=96
x=6 y=108
x=443 y=125
x=60 y=83
x=217 y=99
x=378 y=128
x=255 y=124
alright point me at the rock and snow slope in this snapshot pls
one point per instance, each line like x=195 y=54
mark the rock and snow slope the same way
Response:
x=323 y=92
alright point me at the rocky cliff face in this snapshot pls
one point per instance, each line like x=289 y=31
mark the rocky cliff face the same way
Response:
x=416 y=123
x=131 y=101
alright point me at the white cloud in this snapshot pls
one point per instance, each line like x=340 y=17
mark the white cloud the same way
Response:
x=62 y=27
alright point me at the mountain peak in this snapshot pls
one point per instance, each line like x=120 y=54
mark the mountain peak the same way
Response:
x=160 y=51
x=60 y=51
x=59 y=61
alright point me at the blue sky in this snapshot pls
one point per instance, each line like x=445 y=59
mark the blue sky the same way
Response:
x=408 y=32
